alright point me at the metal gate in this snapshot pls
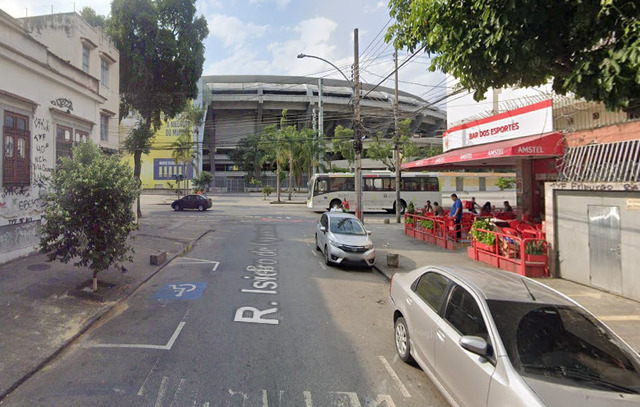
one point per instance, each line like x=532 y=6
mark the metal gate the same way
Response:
x=605 y=268
x=235 y=184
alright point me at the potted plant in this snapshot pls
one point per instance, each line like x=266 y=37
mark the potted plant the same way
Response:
x=426 y=224
x=481 y=233
x=536 y=251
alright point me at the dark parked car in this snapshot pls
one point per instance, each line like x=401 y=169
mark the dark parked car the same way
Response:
x=199 y=202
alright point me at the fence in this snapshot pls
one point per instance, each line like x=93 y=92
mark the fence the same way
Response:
x=438 y=230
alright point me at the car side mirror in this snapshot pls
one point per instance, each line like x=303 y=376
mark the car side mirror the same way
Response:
x=369 y=232
x=475 y=344
x=323 y=229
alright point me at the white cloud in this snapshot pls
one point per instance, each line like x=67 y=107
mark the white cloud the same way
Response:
x=280 y=4
x=233 y=32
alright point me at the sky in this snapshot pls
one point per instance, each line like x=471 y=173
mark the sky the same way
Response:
x=265 y=36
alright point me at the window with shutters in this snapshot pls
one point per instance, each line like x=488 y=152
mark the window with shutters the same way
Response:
x=64 y=142
x=16 y=165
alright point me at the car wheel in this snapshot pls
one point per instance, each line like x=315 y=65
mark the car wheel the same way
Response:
x=402 y=340
x=335 y=204
x=317 y=246
x=327 y=256
x=177 y=207
x=201 y=208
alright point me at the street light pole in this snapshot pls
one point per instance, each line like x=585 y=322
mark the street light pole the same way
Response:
x=356 y=127
x=357 y=142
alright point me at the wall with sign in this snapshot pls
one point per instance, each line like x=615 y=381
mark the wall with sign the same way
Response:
x=593 y=234
x=526 y=121
x=158 y=167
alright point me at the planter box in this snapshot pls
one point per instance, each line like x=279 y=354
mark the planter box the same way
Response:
x=485 y=247
x=535 y=271
x=487 y=258
x=535 y=258
x=471 y=252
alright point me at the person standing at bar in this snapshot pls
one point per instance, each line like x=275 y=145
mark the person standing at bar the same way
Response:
x=456 y=214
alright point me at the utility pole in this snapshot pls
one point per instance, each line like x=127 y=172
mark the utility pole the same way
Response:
x=356 y=128
x=320 y=118
x=396 y=147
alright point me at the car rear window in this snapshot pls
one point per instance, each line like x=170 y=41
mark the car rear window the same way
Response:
x=431 y=287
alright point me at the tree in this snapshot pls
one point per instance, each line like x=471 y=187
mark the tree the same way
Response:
x=589 y=48
x=89 y=211
x=382 y=149
x=161 y=57
x=276 y=143
x=203 y=180
x=505 y=183
x=249 y=155
x=90 y=16
x=184 y=151
x=343 y=144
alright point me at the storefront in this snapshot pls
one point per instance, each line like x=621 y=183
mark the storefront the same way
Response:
x=522 y=139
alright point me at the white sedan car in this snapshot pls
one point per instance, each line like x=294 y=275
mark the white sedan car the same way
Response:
x=344 y=240
x=493 y=338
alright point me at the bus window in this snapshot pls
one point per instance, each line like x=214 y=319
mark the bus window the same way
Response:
x=430 y=184
x=337 y=184
x=410 y=184
x=373 y=184
x=322 y=186
x=389 y=184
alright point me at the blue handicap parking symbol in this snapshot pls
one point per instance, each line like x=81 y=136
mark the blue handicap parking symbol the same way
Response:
x=180 y=291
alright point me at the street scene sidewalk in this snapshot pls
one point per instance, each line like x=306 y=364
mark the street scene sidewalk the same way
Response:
x=621 y=314
x=45 y=305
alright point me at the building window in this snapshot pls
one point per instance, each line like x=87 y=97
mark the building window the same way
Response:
x=16 y=165
x=104 y=128
x=85 y=58
x=64 y=143
x=81 y=136
x=104 y=70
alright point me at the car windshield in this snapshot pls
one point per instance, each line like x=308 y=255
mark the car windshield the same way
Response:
x=565 y=344
x=346 y=226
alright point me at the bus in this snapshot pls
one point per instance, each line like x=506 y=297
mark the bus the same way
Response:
x=328 y=191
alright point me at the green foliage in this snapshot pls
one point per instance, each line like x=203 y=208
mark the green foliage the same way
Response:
x=343 y=143
x=487 y=238
x=161 y=56
x=249 y=155
x=90 y=16
x=89 y=214
x=339 y=169
x=589 y=48
x=202 y=181
x=410 y=220
x=427 y=224
x=411 y=208
x=538 y=247
x=505 y=183
x=255 y=182
x=266 y=191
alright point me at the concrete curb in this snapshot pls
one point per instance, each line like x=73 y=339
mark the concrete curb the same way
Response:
x=383 y=272
x=287 y=203
x=99 y=317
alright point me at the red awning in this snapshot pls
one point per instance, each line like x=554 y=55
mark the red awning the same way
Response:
x=500 y=154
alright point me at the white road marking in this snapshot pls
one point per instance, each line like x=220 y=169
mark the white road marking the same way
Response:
x=141 y=391
x=353 y=398
x=162 y=391
x=307 y=399
x=265 y=400
x=314 y=253
x=178 y=393
x=323 y=267
x=394 y=376
x=619 y=317
x=382 y=398
x=194 y=260
x=168 y=346
x=206 y=404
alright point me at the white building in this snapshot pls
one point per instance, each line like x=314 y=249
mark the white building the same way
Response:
x=47 y=102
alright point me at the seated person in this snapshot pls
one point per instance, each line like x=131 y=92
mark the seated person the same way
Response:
x=427 y=207
x=437 y=209
x=507 y=207
x=486 y=209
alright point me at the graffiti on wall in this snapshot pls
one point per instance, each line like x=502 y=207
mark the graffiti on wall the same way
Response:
x=19 y=236
x=63 y=103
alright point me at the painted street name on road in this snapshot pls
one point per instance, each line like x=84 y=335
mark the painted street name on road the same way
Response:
x=263 y=277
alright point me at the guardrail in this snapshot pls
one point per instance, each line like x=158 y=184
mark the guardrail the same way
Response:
x=437 y=230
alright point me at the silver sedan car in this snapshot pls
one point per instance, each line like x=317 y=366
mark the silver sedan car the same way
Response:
x=344 y=240
x=492 y=338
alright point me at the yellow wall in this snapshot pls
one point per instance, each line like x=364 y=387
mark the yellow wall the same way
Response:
x=158 y=167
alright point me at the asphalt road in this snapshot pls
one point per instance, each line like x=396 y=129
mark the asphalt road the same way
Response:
x=250 y=317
